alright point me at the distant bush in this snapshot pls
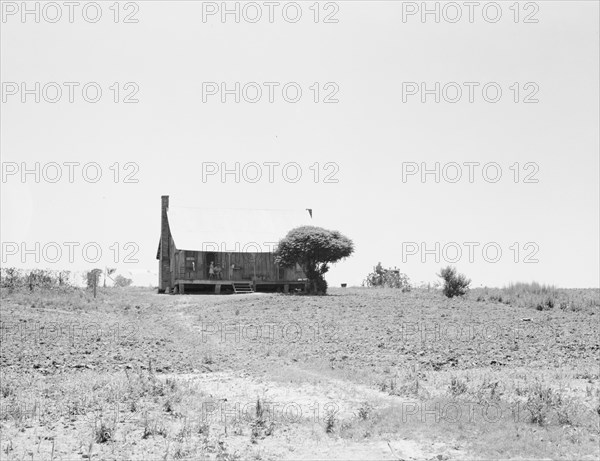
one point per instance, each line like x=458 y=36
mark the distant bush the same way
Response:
x=14 y=279
x=387 y=278
x=455 y=284
x=121 y=281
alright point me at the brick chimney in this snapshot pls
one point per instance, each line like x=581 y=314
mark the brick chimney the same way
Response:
x=164 y=269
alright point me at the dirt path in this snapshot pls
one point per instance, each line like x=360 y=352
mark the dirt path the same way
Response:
x=300 y=411
x=300 y=401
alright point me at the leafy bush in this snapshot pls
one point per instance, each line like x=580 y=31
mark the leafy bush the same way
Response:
x=121 y=281
x=314 y=249
x=455 y=284
x=387 y=278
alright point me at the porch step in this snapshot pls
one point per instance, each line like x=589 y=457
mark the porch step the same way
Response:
x=242 y=287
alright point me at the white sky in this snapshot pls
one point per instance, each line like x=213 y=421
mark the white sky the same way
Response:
x=369 y=53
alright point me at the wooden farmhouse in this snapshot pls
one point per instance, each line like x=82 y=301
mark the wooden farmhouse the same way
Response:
x=225 y=251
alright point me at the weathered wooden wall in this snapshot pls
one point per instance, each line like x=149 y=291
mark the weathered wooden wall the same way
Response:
x=194 y=265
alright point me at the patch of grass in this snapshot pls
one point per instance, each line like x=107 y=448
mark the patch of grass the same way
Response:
x=153 y=427
x=486 y=390
x=541 y=297
x=408 y=384
x=546 y=406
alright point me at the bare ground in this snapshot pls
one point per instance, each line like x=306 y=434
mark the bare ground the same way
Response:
x=359 y=374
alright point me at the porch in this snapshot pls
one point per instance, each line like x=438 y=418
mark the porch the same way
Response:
x=219 y=286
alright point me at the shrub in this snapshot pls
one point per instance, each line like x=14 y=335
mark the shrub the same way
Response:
x=314 y=249
x=388 y=278
x=121 y=281
x=455 y=284
x=11 y=278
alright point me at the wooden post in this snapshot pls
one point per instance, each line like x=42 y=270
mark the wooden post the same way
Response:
x=218 y=288
x=95 y=283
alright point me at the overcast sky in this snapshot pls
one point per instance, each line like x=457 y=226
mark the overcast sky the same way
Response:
x=372 y=58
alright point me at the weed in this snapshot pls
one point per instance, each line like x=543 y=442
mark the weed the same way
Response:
x=364 y=411
x=7 y=388
x=103 y=432
x=539 y=403
x=153 y=428
x=330 y=423
x=457 y=386
x=259 y=427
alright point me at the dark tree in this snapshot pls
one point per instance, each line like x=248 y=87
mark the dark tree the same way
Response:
x=455 y=284
x=314 y=249
x=93 y=277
